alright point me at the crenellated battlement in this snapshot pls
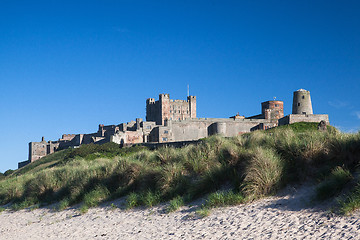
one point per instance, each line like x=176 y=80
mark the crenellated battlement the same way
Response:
x=170 y=109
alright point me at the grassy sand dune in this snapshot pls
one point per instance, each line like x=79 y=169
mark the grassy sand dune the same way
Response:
x=227 y=171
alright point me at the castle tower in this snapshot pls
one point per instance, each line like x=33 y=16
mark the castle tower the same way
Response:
x=151 y=110
x=192 y=106
x=164 y=100
x=272 y=110
x=168 y=109
x=302 y=102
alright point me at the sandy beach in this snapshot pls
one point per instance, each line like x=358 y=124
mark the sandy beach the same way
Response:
x=289 y=215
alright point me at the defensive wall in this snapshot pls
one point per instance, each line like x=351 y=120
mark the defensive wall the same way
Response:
x=174 y=121
x=293 y=118
x=193 y=129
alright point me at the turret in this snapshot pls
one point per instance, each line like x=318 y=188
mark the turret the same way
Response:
x=302 y=102
x=164 y=100
x=151 y=109
x=272 y=110
x=192 y=106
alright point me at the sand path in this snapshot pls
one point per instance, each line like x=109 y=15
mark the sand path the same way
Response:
x=286 y=216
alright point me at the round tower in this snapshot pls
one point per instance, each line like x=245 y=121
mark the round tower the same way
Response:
x=220 y=128
x=302 y=102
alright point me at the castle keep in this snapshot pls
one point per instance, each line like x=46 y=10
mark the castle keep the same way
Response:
x=168 y=109
x=169 y=120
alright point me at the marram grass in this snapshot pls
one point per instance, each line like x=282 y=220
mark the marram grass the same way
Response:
x=249 y=166
x=351 y=202
x=175 y=204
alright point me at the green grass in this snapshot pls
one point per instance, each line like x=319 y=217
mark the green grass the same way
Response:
x=224 y=198
x=203 y=211
x=132 y=200
x=175 y=204
x=220 y=199
x=113 y=206
x=264 y=172
x=43 y=163
x=95 y=196
x=94 y=151
x=63 y=204
x=303 y=127
x=150 y=198
x=23 y=204
x=147 y=198
x=333 y=183
x=351 y=201
x=253 y=165
x=84 y=209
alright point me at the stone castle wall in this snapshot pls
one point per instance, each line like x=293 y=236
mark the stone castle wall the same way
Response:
x=169 y=121
x=194 y=129
x=293 y=118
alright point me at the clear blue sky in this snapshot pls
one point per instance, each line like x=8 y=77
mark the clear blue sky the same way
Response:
x=66 y=66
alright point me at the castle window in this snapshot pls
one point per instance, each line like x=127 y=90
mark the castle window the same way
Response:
x=298 y=104
x=303 y=97
x=164 y=139
x=166 y=131
x=276 y=105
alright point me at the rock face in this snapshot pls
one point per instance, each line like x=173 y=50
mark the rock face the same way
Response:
x=322 y=126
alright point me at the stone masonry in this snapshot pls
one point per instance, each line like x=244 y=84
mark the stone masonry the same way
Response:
x=169 y=121
x=168 y=109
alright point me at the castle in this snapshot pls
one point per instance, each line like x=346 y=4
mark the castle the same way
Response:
x=169 y=120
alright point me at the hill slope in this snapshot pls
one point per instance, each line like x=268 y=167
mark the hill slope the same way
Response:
x=228 y=170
